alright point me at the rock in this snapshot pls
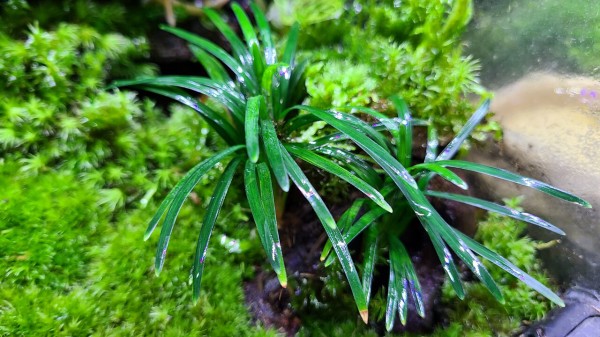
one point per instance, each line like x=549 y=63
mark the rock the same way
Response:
x=552 y=133
x=579 y=318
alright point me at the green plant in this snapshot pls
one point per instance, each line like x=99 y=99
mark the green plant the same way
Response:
x=67 y=269
x=405 y=187
x=409 y=48
x=504 y=235
x=257 y=112
x=253 y=116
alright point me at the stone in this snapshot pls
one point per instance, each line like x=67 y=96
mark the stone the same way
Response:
x=551 y=126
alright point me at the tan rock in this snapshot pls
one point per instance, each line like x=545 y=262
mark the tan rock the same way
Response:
x=551 y=129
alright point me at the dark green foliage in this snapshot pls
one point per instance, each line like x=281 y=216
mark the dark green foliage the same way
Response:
x=410 y=48
x=470 y=317
x=505 y=236
x=130 y=18
x=255 y=121
x=405 y=188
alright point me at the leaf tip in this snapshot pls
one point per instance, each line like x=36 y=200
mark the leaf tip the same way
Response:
x=387 y=207
x=364 y=314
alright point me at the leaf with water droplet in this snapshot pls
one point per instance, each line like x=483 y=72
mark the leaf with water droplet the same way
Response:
x=212 y=212
x=443 y=172
x=218 y=52
x=175 y=199
x=252 y=129
x=515 y=178
x=336 y=170
x=450 y=150
x=510 y=268
x=268 y=201
x=492 y=207
x=333 y=232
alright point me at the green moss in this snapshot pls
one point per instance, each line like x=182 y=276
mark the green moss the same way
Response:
x=505 y=236
x=81 y=177
x=410 y=48
x=68 y=271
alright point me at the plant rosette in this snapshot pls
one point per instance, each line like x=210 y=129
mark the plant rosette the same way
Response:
x=257 y=111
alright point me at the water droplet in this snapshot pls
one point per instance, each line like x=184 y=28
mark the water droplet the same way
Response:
x=285 y=72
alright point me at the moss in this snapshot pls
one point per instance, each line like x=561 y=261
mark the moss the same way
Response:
x=505 y=236
x=410 y=48
x=81 y=178
x=68 y=271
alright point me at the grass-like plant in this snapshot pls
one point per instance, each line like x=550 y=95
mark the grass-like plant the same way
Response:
x=258 y=109
x=405 y=186
x=253 y=119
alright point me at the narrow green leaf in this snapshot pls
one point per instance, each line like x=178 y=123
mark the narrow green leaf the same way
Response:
x=363 y=169
x=405 y=134
x=355 y=128
x=341 y=249
x=175 y=199
x=394 y=169
x=217 y=122
x=298 y=122
x=290 y=47
x=296 y=89
x=464 y=253
x=256 y=207
x=360 y=225
x=344 y=223
x=454 y=145
x=265 y=34
x=370 y=257
x=401 y=283
x=212 y=211
x=492 y=207
x=236 y=67
x=268 y=76
x=214 y=69
x=515 y=178
x=239 y=48
x=404 y=266
x=245 y=25
x=392 y=302
x=510 y=268
x=335 y=169
x=441 y=171
x=228 y=96
x=259 y=64
x=432 y=143
x=268 y=201
x=251 y=127
x=274 y=156
x=447 y=263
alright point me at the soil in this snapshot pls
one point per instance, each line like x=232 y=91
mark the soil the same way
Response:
x=303 y=237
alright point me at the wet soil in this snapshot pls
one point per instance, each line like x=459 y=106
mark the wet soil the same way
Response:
x=303 y=237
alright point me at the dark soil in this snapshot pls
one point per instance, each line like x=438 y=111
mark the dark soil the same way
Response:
x=303 y=237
